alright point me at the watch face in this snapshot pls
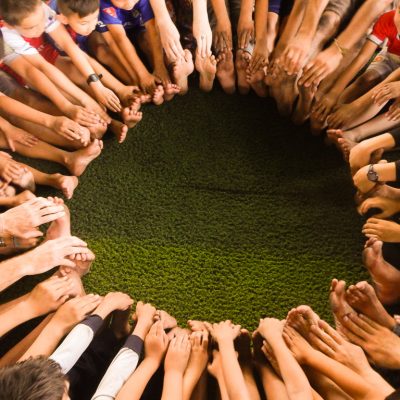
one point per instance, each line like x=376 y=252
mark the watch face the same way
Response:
x=372 y=176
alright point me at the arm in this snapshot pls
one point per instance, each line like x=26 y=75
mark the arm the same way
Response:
x=260 y=54
x=105 y=96
x=125 y=362
x=201 y=28
x=222 y=35
x=245 y=28
x=169 y=34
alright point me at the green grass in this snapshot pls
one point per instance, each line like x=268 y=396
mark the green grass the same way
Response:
x=215 y=208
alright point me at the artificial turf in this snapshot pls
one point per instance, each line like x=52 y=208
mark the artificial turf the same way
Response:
x=215 y=207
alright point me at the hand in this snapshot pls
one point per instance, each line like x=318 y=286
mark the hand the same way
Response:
x=245 y=33
x=199 y=354
x=76 y=310
x=112 y=302
x=82 y=262
x=259 y=58
x=381 y=229
x=223 y=331
x=82 y=115
x=295 y=54
x=50 y=294
x=381 y=344
x=203 y=35
x=327 y=340
x=361 y=181
x=341 y=116
x=162 y=75
x=271 y=329
x=15 y=135
x=106 y=97
x=156 y=343
x=178 y=354
x=10 y=169
x=222 y=37
x=145 y=313
x=388 y=91
x=324 y=106
x=170 y=40
x=53 y=253
x=318 y=69
x=299 y=346
x=148 y=83
x=90 y=104
x=394 y=111
x=22 y=221
x=388 y=206
x=70 y=130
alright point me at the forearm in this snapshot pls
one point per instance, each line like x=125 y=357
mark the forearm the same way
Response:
x=155 y=43
x=12 y=270
x=311 y=18
x=385 y=141
x=173 y=386
x=220 y=11
x=232 y=373
x=200 y=11
x=388 y=172
x=246 y=9
x=190 y=380
x=17 y=314
x=20 y=110
x=272 y=384
x=361 y=22
x=160 y=10
x=295 y=379
x=136 y=384
x=260 y=19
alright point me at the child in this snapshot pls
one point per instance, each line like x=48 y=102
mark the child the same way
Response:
x=132 y=23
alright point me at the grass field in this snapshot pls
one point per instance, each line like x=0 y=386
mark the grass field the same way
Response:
x=215 y=208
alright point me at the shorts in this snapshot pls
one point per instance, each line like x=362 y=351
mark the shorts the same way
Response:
x=134 y=32
x=384 y=64
x=280 y=7
x=9 y=80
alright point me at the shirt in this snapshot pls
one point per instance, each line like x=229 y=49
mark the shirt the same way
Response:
x=385 y=28
x=129 y=19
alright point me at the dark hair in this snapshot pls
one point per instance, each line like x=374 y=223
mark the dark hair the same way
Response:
x=34 y=379
x=80 y=7
x=14 y=11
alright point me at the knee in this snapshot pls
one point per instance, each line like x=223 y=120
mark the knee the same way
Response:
x=329 y=22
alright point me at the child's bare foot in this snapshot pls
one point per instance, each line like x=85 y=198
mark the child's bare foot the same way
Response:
x=22 y=197
x=284 y=90
x=131 y=116
x=78 y=161
x=168 y=321
x=226 y=71
x=181 y=70
x=61 y=227
x=241 y=64
x=302 y=318
x=207 y=68
x=119 y=129
x=67 y=184
x=83 y=263
x=196 y=326
x=256 y=81
x=386 y=278
x=128 y=95
x=25 y=181
x=120 y=323
x=170 y=90
x=158 y=95
x=362 y=298
x=304 y=103
x=339 y=305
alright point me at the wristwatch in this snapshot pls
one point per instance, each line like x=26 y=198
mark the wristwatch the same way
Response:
x=93 y=78
x=371 y=174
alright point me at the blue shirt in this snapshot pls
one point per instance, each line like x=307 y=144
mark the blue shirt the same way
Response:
x=129 y=19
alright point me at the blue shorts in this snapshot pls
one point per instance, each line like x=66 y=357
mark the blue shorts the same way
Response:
x=280 y=7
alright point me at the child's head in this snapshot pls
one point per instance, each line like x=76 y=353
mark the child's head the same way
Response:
x=80 y=15
x=34 y=379
x=26 y=16
x=124 y=4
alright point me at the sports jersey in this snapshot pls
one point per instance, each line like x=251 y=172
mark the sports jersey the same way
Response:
x=385 y=29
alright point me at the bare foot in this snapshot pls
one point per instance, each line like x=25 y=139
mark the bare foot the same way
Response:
x=22 y=198
x=158 y=95
x=284 y=90
x=302 y=318
x=168 y=321
x=384 y=191
x=339 y=305
x=257 y=83
x=362 y=298
x=207 y=68
x=181 y=70
x=386 y=278
x=25 y=181
x=131 y=116
x=61 y=227
x=83 y=263
x=196 y=326
x=78 y=161
x=241 y=64
x=67 y=184
x=226 y=71
x=170 y=90
x=118 y=128
x=304 y=103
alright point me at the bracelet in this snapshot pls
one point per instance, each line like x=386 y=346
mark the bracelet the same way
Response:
x=341 y=49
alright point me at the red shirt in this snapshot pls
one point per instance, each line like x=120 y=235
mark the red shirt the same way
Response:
x=385 y=28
